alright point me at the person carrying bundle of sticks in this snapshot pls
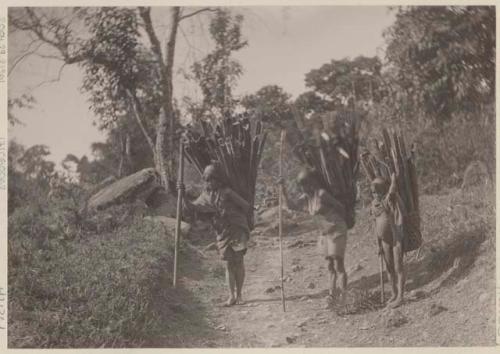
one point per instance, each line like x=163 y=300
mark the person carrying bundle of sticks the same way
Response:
x=329 y=215
x=388 y=211
x=395 y=205
x=227 y=154
x=228 y=212
x=330 y=153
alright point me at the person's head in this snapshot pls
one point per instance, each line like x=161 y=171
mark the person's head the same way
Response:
x=308 y=181
x=212 y=178
x=379 y=188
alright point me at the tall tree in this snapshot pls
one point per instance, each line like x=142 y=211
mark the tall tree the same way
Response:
x=121 y=73
x=217 y=73
x=335 y=82
x=443 y=57
x=34 y=165
x=270 y=103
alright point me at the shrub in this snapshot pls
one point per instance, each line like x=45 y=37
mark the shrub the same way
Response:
x=88 y=292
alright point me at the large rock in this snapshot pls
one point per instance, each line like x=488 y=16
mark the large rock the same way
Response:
x=161 y=203
x=169 y=223
x=136 y=186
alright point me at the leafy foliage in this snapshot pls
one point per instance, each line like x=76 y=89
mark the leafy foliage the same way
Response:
x=270 y=103
x=217 y=73
x=23 y=102
x=443 y=58
x=118 y=63
x=335 y=82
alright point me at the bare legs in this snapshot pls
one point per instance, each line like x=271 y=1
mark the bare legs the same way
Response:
x=389 y=263
x=336 y=270
x=231 y=282
x=400 y=274
x=393 y=257
x=240 y=278
x=235 y=277
x=333 y=277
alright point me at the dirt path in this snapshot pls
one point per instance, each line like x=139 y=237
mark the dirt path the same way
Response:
x=450 y=295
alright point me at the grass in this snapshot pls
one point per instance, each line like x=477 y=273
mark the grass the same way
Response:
x=95 y=291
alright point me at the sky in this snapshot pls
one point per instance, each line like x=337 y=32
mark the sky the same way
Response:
x=284 y=44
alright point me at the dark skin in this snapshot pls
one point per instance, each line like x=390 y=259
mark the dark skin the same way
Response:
x=336 y=266
x=391 y=249
x=235 y=268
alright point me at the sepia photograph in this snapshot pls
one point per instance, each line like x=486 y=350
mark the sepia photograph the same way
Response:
x=250 y=176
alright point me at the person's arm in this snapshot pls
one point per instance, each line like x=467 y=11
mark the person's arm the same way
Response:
x=327 y=199
x=201 y=205
x=236 y=199
x=391 y=193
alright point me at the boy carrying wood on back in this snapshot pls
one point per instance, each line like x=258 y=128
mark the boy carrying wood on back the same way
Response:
x=388 y=210
x=228 y=212
x=329 y=215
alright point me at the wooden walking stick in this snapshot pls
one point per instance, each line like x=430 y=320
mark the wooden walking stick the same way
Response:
x=280 y=213
x=180 y=193
x=381 y=261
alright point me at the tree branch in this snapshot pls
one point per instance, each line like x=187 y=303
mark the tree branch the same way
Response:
x=22 y=57
x=137 y=109
x=52 y=32
x=196 y=13
x=58 y=78
x=188 y=41
x=145 y=13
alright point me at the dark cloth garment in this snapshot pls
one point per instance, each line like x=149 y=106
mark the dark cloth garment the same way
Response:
x=229 y=219
x=328 y=213
x=231 y=255
x=329 y=216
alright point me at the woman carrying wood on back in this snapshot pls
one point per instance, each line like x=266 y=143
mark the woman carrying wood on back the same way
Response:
x=228 y=212
x=329 y=215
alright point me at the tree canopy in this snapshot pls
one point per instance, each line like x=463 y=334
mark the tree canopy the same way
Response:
x=443 y=57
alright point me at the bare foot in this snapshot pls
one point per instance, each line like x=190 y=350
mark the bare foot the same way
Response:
x=239 y=301
x=342 y=298
x=396 y=303
x=393 y=298
x=230 y=302
x=329 y=301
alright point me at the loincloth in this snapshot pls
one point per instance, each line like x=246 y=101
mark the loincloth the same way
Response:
x=333 y=243
x=231 y=240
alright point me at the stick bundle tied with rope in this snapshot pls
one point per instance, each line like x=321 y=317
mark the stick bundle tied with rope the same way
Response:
x=391 y=155
x=235 y=144
x=332 y=151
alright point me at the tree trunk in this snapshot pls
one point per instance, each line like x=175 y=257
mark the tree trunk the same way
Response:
x=165 y=149
x=164 y=156
x=168 y=105
x=161 y=154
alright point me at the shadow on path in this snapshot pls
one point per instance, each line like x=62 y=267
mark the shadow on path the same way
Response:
x=184 y=316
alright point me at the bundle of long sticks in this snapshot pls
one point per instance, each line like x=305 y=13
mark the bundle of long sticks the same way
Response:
x=236 y=145
x=391 y=155
x=333 y=152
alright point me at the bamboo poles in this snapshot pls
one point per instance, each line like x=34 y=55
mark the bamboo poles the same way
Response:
x=180 y=193
x=381 y=268
x=280 y=214
x=236 y=145
x=394 y=157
